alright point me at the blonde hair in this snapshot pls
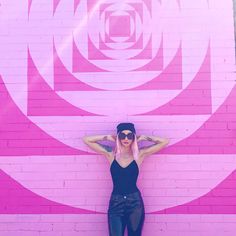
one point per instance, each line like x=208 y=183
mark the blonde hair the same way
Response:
x=134 y=148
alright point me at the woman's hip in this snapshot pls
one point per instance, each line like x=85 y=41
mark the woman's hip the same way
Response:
x=126 y=203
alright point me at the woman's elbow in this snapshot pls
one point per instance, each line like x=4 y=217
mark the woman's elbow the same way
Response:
x=166 y=142
x=85 y=139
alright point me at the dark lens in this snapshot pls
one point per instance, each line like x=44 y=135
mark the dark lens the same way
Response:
x=122 y=136
x=130 y=136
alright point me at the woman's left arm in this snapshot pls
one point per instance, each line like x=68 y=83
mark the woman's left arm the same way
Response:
x=160 y=143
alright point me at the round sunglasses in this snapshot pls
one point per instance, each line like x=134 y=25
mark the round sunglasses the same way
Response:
x=130 y=136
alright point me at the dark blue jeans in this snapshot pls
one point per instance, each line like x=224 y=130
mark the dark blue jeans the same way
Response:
x=126 y=210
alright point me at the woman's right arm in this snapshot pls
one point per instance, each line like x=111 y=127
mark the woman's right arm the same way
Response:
x=92 y=142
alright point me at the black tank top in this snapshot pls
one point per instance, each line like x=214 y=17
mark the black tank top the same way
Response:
x=124 y=179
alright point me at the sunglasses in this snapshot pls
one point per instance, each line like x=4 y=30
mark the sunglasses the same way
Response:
x=130 y=136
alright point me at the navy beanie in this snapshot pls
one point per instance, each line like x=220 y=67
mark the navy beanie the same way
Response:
x=125 y=126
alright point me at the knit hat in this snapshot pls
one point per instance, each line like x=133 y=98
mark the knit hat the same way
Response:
x=125 y=126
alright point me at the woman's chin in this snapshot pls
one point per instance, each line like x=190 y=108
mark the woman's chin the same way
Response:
x=126 y=144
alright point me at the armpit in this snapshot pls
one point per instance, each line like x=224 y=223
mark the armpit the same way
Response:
x=106 y=147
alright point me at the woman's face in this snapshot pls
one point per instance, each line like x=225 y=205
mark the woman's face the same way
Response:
x=126 y=137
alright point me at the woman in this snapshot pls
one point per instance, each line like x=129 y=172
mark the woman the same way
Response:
x=126 y=207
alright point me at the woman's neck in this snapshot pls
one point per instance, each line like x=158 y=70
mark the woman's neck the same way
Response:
x=126 y=152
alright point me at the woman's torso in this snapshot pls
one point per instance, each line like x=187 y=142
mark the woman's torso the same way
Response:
x=124 y=175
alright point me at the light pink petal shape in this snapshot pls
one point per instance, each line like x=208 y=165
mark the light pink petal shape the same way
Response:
x=216 y=135
x=133 y=36
x=94 y=53
x=103 y=7
x=131 y=39
x=146 y=53
x=132 y=14
x=108 y=39
x=81 y=64
x=49 y=103
x=16 y=199
x=138 y=8
x=138 y=44
x=29 y=138
x=220 y=200
x=64 y=80
x=169 y=79
x=102 y=45
x=195 y=98
x=157 y=63
x=62 y=178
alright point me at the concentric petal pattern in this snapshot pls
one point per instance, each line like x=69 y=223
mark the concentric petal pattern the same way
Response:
x=70 y=68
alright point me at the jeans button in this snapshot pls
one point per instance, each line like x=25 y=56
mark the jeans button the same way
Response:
x=124 y=196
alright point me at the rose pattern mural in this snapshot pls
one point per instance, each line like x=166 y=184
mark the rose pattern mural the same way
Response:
x=70 y=68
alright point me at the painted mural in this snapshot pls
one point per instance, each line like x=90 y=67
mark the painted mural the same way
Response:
x=70 y=68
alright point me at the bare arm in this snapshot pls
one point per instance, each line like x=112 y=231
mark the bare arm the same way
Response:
x=160 y=143
x=92 y=142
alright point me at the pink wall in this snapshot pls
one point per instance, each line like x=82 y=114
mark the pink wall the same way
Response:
x=70 y=68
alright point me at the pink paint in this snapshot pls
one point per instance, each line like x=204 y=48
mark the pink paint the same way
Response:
x=55 y=5
x=30 y=203
x=146 y=53
x=119 y=26
x=108 y=39
x=29 y=5
x=207 y=132
x=76 y=4
x=170 y=78
x=197 y=94
x=149 y=5
x=43 y=106
x=11 y=117
x=220 y=200
x=133 y=39
x=103 y=7
x=80 y=64
x=64 y=80
x=74 y=68
x=102 y=45
x=157 y=63
x=94 y=53
x=138 y=9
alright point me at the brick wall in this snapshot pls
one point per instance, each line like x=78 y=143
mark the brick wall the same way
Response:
x=70 y=68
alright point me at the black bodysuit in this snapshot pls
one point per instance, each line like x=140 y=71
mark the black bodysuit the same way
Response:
x=126 y=207
x=124 y=178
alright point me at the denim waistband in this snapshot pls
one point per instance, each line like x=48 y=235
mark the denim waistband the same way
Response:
x=137 y=193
